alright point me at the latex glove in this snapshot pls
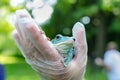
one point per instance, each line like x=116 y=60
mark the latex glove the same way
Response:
x=41 y=54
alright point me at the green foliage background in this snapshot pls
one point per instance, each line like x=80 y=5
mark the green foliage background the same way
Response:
x=7 y=45
x=103 y=27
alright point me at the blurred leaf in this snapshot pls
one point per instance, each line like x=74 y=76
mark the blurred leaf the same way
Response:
x=115 y=26
x=86 y=11
x=7 y=45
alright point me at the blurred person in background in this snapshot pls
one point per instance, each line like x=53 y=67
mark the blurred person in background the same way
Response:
x=111 y=61
x=2 y=72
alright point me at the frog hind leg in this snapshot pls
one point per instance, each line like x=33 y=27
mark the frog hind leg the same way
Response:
x=69 y=57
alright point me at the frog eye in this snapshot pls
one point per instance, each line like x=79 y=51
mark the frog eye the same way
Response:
x=58 y=36
x=73 y=39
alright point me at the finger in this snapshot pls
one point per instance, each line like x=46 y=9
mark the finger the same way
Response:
x=80 y=59
x=21 y=45
x=30 y=53
x=17 y=26
x=37 y=36
x=19 y=22
x=41 y=42
x=22 y=18
x=17 y=39
x=19 y=35
x=80 y=42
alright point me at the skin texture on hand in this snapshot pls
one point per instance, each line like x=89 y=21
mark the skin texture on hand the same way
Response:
x=42 y=55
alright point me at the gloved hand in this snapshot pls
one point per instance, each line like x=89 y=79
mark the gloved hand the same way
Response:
x=41 y=54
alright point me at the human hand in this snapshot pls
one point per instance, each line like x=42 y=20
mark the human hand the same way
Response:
x=41 y=54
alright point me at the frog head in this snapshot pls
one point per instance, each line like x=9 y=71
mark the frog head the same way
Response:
x=63 y=43
x=65 y=46
x=63 y=40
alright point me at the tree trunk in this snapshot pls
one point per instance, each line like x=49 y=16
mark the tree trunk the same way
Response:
x=100 y=36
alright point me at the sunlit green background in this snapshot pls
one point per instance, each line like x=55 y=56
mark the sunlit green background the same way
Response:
x=104 y=26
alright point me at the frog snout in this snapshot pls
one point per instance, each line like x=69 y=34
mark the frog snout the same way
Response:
x=70 y=40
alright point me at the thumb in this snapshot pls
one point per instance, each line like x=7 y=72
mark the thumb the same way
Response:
x=80 y=43
x=78 y=64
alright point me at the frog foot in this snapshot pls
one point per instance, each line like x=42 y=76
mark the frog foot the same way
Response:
x=64 y=61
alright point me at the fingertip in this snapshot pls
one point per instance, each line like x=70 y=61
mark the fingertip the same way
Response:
x=14 y=33
x=22 y=13
x=23 y=16
x=16 y=37
x=79 y=26
x=79 y=33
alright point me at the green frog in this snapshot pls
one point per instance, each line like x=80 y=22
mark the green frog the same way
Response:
x=65 y=46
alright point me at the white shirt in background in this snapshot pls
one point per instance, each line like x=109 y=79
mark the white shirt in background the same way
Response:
x=112 y=59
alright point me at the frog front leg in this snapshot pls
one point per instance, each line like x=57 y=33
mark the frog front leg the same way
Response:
x=69 y=57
